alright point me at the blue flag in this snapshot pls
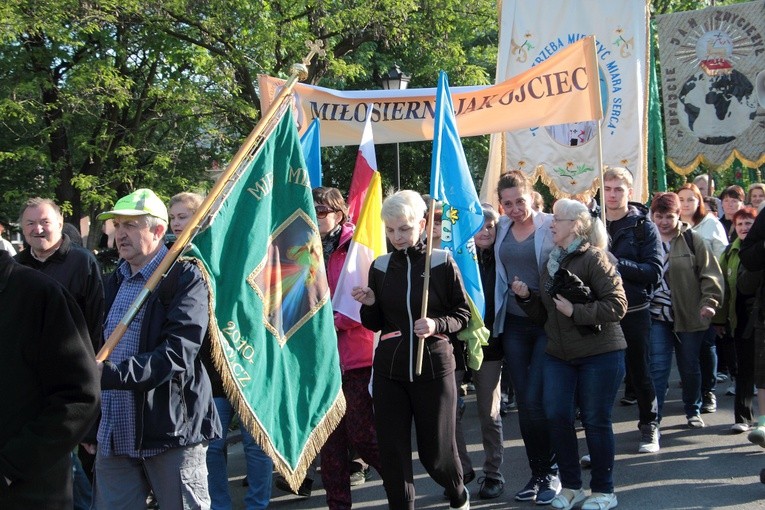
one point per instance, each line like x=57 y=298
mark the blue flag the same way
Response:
x=311 y=144
x=451 y=183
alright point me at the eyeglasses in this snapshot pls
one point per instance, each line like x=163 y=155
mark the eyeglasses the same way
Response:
x=556 y=220
x=322 y=212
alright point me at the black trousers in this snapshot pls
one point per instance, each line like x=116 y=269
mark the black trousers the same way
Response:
x=745 y=360
x=637 y=332
x=431 y=404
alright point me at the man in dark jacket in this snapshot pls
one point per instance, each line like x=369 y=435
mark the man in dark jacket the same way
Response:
x=634 y=241
x=53 y=252
x=51 y=388
x=57 y=255
x=157 y=407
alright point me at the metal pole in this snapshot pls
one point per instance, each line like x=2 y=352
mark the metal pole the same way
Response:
x=261 y=131
x=398 y=169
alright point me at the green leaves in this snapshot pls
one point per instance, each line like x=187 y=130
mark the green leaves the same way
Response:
x=99 y=98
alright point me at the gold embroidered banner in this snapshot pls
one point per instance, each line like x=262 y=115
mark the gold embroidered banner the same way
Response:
x=709 y=61
x=561 y=89
x=566 y=156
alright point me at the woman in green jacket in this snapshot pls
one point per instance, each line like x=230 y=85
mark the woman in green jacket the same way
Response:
x=734 y=319
x=683 y=305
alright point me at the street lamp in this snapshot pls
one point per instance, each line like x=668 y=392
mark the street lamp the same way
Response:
x=396 y=80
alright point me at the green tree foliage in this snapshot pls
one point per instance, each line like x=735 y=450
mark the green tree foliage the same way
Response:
x=99 y=98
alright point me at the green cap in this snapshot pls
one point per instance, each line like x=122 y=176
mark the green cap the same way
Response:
x=138 y=203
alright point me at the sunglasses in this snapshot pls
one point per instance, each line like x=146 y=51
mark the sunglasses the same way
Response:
x=322 y=212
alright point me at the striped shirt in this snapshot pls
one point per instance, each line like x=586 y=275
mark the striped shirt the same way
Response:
x=117 y=431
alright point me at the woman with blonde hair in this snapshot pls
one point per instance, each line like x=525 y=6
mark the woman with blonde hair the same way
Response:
x=755 y=195
x=391 y=304
x=181 y=208
x=580 y=302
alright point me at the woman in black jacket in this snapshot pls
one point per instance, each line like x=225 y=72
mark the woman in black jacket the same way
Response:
x=391 y=305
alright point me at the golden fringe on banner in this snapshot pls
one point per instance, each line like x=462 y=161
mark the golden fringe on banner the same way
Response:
x=700 y=158
x=541 y=174
x=317 y=438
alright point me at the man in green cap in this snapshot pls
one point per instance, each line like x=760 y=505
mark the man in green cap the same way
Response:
x=154 y=435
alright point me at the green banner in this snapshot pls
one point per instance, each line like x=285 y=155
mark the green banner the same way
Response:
x=657 y=164
x=275 y=341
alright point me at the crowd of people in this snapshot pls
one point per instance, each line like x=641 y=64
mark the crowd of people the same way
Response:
x=574 y=306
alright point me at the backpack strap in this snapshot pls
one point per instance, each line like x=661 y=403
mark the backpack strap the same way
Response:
x=640 y=230
x=381 y=262
x=688 y=236
x=437 y=257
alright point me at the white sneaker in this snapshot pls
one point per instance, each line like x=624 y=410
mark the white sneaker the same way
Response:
x=568 y=499
x=731 y=389
x=649 y=438
x=466 y=504
x=600 y=501
x=585 y=461
x=738 y=428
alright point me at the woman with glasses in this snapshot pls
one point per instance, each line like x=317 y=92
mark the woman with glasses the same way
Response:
x=584 y=361
x=355 y=344
x=522 y=247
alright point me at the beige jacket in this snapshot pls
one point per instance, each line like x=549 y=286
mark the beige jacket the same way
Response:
x=695 y=280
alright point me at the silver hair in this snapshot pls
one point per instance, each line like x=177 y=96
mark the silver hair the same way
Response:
x=403 y=204
x=38 y=202
x=153 y=221
x=489 y=213
x=586 y=225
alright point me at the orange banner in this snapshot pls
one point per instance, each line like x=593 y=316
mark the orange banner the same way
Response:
x=562 y=89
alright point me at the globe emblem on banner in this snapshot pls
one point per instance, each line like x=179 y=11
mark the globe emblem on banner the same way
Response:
x=718 y=102
x=717 y=108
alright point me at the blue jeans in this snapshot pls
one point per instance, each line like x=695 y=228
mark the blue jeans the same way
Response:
x=688 y=349
x=259 y=466
x=708 y=361
x=591 y=383
x=524 y=344
x=82 y=492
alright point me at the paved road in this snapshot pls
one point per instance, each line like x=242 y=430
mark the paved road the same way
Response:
x=695 y=469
